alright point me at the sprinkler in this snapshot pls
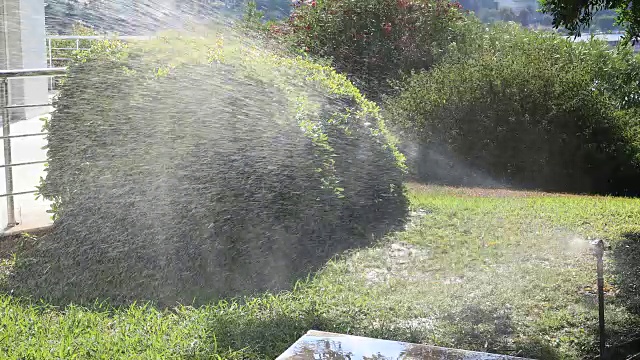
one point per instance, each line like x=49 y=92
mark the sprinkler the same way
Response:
x=629 y=350
x=599 y=253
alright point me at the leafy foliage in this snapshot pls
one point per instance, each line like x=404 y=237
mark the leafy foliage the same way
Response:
x=373 y=40
x=531 y=108
x=188 y=168
x=576 y=15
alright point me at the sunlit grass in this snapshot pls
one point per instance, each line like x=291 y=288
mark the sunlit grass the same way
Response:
x=503 y=273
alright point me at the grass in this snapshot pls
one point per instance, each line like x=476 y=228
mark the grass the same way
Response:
x=495 y=271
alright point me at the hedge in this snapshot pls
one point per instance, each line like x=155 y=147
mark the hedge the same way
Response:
x=186 y=169
x=532 y=109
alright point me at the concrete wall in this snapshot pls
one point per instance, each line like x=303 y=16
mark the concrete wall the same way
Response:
x=22 y=40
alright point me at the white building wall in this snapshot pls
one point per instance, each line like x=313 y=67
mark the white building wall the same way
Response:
x=22 y=34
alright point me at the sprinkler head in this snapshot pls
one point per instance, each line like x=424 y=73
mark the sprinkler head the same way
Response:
x=598 y=248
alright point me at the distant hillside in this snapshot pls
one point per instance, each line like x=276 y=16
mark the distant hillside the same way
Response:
x=518 y=5
x=526 y=13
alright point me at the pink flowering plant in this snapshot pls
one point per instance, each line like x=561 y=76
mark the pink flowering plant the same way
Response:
x=372 y=40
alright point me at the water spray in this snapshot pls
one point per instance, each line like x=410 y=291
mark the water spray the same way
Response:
x=599 y=253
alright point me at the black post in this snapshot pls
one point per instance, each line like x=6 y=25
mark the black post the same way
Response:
x=599 y=252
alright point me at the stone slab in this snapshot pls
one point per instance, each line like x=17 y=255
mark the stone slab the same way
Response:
x=323 y=345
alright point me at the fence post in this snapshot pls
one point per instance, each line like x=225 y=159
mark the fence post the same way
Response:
x=8 y=170
x=50 y=63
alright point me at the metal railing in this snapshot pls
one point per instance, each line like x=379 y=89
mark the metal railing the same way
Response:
x=5 y=108
x=76 y=40
x=60 y=55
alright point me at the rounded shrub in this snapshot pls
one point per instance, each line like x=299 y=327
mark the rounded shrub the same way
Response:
x=532 y=109
x=373 y=40
x=189 y=168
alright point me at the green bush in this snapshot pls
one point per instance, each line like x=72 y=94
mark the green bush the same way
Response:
x=187 y=168
x=531 y=108
x=373 y=40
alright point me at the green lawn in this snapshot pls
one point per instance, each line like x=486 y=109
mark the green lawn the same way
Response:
x=494 y=271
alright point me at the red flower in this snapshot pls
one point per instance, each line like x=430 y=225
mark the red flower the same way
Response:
x=403 y=3
x=386 y=27
x=313 y=3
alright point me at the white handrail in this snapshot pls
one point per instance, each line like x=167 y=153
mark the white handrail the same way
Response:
x=51 y=48
x=98 y=37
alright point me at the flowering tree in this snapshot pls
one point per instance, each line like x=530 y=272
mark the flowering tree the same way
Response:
x=372 y=40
